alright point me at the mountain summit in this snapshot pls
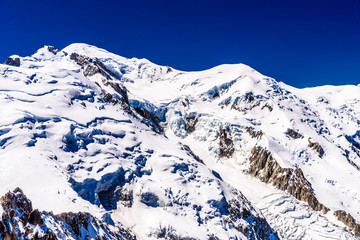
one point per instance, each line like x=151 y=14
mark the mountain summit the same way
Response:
x=154 y=152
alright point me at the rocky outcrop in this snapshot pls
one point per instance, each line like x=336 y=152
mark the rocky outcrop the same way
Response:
x=16 y=204
x=35 y=218
x=169 y=233
x=153 y=120
x=107 y=97
x=20 y=221
x=53 y=49
x=349 y=221
x=247 y=102
x=125 y=196
x=92 y=66
x=249 y=97
x=190 y=123
x=293 y=134
x=239 y=211
x=121 y=90
x=293 y=181
x=13 y=61
x=226 y=143
x=258 y=227
x=316 y=147
x=76 y=220
x=253 y=133
x=168 y=69
x=188 y=149
x=79 y=221
x=268 y=106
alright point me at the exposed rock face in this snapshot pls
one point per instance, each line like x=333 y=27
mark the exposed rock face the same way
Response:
x=226 y=143
x=92 y=66
x=349 y=221
x=79 y=221
x=13 y=61
x=196 y=157
x=253 y=133
x=122 y=91
x=169 y=233
x=190 y=123
x=75 y=220
x=316 y=147
x=249 y=97
x=264 y=167
x=35 y=218
x=257 y=227
x=268 y=106
x=17 y=211
x=125 y=197
x=154 y=120
x=168 y=70
x=293 y=134
x=17 y=205
x=146 y=114
x=107 y=97
x=245 y=103
x=53 y=49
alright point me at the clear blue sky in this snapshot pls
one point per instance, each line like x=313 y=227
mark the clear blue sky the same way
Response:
x=300 y=42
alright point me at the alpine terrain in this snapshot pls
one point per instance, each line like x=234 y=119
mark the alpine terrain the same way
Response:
x=97 y=146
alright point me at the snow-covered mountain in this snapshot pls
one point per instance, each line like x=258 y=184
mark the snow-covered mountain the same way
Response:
x=154 y=152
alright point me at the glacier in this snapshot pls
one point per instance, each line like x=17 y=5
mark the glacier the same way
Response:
x=168 y=154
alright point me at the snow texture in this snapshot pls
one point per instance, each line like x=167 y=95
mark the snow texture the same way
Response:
x=71 y=147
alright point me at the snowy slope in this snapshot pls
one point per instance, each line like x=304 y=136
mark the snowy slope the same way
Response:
x=220 y=97
x=71 y=148
x=77 y=142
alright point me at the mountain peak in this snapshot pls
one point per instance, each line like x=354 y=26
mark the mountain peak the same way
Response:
x=225 y=153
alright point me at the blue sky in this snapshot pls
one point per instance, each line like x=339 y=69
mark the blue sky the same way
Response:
x=300 y=42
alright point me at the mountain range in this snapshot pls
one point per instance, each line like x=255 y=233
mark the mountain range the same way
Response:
x=97 y=146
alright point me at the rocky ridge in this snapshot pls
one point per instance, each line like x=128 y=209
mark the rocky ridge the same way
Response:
x=349 y=221
x=20 y=221
x=265 y=167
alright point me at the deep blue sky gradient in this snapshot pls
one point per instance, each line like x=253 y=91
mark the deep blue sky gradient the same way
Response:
x=300 y=42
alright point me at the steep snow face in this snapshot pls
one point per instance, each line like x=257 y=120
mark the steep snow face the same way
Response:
x=76 y=142
x=70 y=140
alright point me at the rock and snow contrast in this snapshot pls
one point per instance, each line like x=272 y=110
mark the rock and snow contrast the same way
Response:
x=105 y=147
